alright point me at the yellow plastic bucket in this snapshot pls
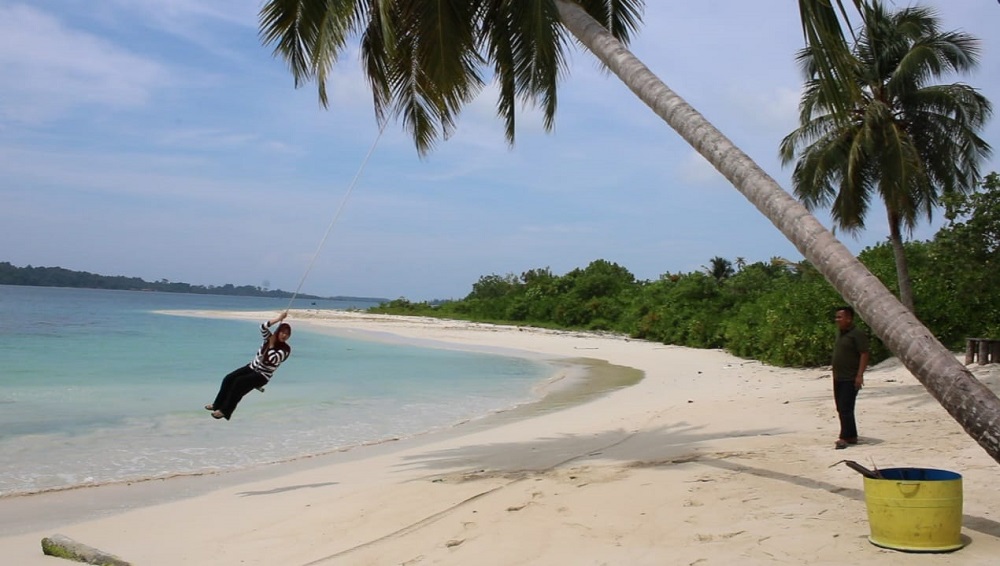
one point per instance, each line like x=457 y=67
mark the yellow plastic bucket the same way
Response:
x=915 y=509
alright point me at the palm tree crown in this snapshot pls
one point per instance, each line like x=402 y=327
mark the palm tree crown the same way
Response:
x=905 y=139
x=719 y=268
x=426 y=59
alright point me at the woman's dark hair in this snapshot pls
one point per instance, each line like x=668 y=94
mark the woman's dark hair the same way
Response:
x=273 y=341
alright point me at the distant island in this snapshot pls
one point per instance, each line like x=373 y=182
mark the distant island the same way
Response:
x=60 y=277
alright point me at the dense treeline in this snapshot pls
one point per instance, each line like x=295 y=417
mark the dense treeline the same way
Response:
x=777 y=311
x=60 y=277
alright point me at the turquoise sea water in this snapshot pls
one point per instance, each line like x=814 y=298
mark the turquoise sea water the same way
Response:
x=97 y=387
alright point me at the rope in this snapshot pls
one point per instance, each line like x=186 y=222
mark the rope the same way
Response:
x=340 y=209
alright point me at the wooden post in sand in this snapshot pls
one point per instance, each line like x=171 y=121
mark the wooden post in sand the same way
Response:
x=982 y=350
x=62 y=546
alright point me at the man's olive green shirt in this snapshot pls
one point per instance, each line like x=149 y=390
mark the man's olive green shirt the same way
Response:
x=851 y=343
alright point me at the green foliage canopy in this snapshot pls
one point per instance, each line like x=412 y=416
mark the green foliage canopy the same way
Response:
x=778 y=312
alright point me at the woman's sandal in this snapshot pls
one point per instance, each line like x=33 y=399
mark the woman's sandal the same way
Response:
x=840 y=444
x=209 y=407
x=217 y=414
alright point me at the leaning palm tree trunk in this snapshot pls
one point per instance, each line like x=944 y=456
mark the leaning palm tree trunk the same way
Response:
x=971 y=403
x=902 y=268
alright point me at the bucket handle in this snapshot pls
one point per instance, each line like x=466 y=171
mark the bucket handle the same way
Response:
x=914 y=485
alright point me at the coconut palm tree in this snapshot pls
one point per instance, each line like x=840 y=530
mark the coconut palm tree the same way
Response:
x=719 y=268
x=422 y=60
x=908 y=141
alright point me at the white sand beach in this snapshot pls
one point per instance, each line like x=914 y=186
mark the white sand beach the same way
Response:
x=710 y=459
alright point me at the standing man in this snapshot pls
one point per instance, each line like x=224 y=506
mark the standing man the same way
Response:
x=850 y=359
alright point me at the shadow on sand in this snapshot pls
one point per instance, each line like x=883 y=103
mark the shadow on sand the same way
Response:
x=663 y=447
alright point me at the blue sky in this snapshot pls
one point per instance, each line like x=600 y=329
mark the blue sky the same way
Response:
x=159 y=139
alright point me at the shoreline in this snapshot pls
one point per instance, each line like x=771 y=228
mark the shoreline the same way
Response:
x=573 y=381
x=709 y=459
x=585 y=380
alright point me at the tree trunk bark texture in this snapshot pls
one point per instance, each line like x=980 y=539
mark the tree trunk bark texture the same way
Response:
x=902 y=268
x=62 y=546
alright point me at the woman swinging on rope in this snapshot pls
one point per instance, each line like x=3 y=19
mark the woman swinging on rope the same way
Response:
x=258 y=372
x=275 y=349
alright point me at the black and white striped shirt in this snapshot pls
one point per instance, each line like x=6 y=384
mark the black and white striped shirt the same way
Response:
x=268 y=359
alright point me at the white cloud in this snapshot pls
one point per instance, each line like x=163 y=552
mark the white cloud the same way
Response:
x=178 y=12
x=195 y=21
x=696 y=170
x=774 y=109
x=168 y=178
x=557 y=229
x=206 y=138
x=55 y=68
x=218 y=139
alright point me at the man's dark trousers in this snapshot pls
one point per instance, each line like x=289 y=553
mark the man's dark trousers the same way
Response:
x=845 y=393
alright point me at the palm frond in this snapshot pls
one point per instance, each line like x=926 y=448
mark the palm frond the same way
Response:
x=621 y=17
x=823 y=26
x=527 y=45
x=430 y=71
x=308 y=35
